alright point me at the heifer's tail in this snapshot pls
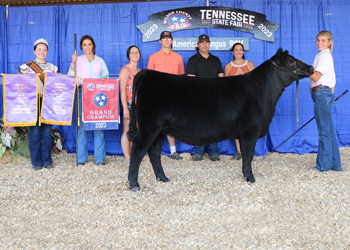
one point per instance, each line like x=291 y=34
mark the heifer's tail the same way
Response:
x=132 y=125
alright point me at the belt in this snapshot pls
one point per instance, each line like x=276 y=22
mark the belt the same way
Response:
x=318 y=86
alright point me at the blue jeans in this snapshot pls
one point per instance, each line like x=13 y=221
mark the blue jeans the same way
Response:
x=40 y=142
x=328 y=157
x=99 y=141
x=213 y=149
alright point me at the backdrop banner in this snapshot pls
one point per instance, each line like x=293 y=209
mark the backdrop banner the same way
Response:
x=216 y=43
x=58 y=99
x=208 y=17
x=100 y=104
x=20 y=95
x=299 y=20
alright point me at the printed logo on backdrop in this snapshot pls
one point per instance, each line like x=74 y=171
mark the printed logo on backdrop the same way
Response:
x=178 y=21
x=208 y=17
x=100 y=104
x=216 y=43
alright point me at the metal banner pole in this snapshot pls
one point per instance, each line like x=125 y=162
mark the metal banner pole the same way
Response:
x=304 y=125
x=297 y=102
x=76 y=101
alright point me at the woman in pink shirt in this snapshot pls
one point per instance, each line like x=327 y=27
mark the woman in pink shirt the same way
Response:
x=126 y=79
x=89 y=65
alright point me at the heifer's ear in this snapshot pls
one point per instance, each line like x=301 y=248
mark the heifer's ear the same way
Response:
x=278 y=55
x=286 y=52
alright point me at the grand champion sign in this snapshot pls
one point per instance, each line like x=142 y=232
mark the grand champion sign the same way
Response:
x=208 y=17
x=100 y=104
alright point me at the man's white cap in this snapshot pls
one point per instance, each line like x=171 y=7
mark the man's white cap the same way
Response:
x=41 y=40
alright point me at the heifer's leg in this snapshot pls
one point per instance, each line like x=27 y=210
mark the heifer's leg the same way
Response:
x=140 y=144
x=137 y=153
x=247 y=148
x=154 y=154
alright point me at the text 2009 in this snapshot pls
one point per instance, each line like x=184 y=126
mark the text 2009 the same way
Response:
x=265 y=30
x=151 y=30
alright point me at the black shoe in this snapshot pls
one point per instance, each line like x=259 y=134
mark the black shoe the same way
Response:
x=48 y=166
x=215 y=158
x=101 y=164
x=175 y=156
x=197 y=158
x=81 y=164
x=38 y=168
x=237 y=156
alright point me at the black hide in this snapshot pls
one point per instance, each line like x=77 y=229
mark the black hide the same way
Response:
x=200 y=111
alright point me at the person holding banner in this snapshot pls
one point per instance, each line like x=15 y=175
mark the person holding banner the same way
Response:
x=167 y=61
x=238 y=66
x=89 y=65
x=322 y=89
x=40 y=140
x=126 y=79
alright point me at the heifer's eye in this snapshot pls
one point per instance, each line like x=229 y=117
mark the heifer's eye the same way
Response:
x=292 y=62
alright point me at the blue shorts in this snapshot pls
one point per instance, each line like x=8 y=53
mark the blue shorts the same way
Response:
x=129 y=107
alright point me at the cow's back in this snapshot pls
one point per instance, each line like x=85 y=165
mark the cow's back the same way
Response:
x=186 y=105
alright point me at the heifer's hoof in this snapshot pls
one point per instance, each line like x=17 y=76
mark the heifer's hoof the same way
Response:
x=163 y=179
x=251 y=179
x=134 y=186
x=135 y=189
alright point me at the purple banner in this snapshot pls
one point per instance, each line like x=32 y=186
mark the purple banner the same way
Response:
x=20 y=99
x=58 y=99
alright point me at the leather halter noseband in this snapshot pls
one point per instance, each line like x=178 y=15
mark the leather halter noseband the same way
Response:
x=296 y=71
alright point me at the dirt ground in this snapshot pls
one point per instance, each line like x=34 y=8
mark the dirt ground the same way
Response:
x=206 y=205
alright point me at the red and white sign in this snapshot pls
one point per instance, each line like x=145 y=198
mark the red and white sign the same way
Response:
x=100 y=104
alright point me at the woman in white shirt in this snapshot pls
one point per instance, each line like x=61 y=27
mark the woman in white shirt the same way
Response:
x=322 y=89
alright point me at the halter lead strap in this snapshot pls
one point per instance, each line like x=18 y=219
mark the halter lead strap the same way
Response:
x=296 y=71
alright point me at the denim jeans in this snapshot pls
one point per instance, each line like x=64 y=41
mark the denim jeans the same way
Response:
x=328 y=157
x=213 y=149
x=99 y=142
x=40 y=142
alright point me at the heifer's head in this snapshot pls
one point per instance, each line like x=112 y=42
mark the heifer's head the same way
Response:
x=288 y=63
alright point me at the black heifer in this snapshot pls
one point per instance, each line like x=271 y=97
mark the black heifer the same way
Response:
x=200 y=111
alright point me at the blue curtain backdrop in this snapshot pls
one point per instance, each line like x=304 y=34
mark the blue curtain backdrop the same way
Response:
x=3 y=47
x=113 y=26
